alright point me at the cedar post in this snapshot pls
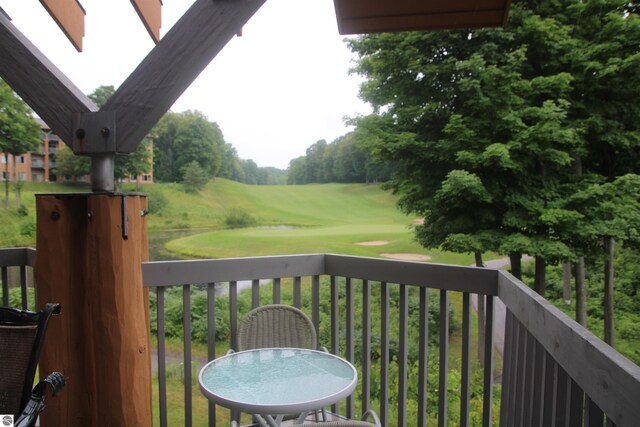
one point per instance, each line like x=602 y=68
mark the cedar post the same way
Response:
x=89 y=259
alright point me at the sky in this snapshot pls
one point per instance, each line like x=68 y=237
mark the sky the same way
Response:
x=274 y=92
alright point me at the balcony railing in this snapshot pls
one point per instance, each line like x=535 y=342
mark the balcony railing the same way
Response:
x=554 y=372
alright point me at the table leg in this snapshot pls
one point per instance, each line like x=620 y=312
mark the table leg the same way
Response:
x=260 y=420
x=302 y=417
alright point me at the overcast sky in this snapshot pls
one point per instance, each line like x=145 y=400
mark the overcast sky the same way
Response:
x=275 y=91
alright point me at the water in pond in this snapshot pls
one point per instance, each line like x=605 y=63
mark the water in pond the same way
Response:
x=157 y=240
x=157 y=252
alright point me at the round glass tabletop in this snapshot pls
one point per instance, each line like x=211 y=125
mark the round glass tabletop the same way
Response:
x=277 y=381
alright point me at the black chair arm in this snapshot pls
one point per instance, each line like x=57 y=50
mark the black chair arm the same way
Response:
x=36 y=404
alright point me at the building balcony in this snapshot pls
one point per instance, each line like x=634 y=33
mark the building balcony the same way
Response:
x=538 y=366
x=37 y=163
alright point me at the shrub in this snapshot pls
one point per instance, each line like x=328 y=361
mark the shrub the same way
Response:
x=237 y=218
x=157 y=202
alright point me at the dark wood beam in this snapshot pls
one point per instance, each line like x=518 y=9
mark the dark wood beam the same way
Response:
x=39 y=82
x=375 y=16
x=173 y=65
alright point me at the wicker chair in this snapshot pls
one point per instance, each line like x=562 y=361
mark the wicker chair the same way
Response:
x=348 y=423
x=21 y=336
x=276 y=325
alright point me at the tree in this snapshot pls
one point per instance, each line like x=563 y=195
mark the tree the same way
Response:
x=477 y=146
x=181 y=138
x=297 y=169
x=102 y=94
x=69 y=164
x=194 y=177
x=134 y=164
x=532 y=114
x=19 y=134
x=315 y=160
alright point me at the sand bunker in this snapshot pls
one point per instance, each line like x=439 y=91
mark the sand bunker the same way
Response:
x=407 y=257
x=373 y=243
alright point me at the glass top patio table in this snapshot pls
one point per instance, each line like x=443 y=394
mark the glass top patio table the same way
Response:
x=277 y=381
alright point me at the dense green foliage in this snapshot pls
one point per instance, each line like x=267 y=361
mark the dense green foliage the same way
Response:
x=179 y=139
x=517 y=140
x=344 y=160
x=627 y=313
x=19 y=133
x=182 y=138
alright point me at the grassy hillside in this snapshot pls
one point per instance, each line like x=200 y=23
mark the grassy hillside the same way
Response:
x=295 y=205
x=288 y=219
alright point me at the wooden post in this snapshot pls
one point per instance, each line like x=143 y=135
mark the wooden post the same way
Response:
x=89 y=259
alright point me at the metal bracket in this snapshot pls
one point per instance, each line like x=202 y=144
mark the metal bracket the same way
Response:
x=94 y=133
x=125 y=219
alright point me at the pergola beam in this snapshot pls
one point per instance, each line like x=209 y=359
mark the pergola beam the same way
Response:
x=173 y=65
x=39 y=82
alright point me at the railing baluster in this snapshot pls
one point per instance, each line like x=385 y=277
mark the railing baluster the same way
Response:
x=520 y=374
x=5 y=287
x=350 y=308
x=335 y=323
x=162 y=367
x=233 y=314
x=465 y=392
x=444 y=359
x=507 y=376
x=211 y=340
x=315 y=301
x=488 y=362
x=528 y=380
x=297 y=302
x=384 y=353
x=563 y=398
x=423 y=357
x=577 y=405
x=233 y=328
x=550 y=387
x=403 y=350
x=24 y=292
x=186 y=317
x=594 y=417
x=538 y=384
x=255 y=293
x=276 y=290
x=366 y=345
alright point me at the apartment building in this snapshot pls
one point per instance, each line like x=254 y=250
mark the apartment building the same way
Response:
x=40 y=165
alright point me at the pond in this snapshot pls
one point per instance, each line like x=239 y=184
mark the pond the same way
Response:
x=158 y=238
x=157 y=252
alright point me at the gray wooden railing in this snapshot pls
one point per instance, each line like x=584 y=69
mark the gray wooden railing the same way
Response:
x=19 y=262
x=555 y=372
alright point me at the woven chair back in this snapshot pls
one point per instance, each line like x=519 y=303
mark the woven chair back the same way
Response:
x=276 y=325
x=21 y=337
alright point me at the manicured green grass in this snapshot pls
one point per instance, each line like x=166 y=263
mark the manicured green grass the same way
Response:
x=323 y=218
x=294 y=205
